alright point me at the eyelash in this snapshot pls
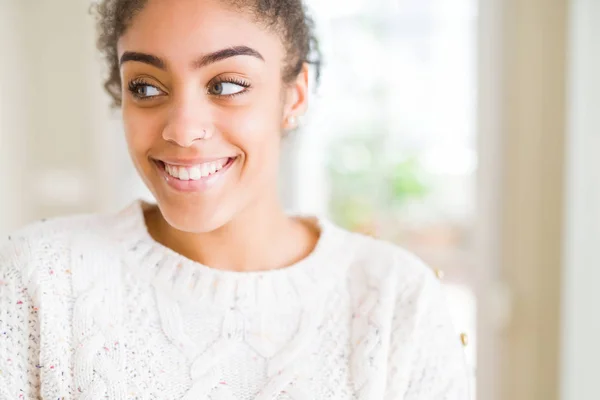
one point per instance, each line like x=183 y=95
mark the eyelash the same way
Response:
x=135 y=84
x=236 y=81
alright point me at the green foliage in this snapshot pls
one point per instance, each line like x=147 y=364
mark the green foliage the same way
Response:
x=365 y=183
x=406 y=181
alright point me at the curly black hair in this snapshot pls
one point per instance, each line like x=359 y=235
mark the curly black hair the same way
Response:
x=288 y=18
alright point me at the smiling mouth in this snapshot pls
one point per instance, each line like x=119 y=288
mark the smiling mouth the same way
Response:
x=195 y=172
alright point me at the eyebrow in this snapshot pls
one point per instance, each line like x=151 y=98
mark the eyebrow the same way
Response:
x=201 y=62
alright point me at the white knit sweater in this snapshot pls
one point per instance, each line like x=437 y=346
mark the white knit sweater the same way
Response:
x=91 y=307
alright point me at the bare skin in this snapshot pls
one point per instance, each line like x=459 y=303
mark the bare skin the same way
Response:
x=180 y=106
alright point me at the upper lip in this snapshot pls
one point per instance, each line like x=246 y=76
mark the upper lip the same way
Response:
x=186 y=162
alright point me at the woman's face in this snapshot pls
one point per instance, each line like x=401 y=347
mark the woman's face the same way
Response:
x=204 y=106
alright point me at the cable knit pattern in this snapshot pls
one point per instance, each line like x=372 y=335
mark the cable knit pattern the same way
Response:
x=91 y=307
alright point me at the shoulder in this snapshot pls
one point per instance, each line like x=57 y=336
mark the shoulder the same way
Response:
x=390 y=271
x=54 y=231
x=382 y=260
x=401 y=283
x=47 y=242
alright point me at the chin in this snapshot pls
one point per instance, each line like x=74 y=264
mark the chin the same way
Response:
x=193 y=217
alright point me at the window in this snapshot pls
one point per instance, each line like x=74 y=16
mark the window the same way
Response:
x=390 y=149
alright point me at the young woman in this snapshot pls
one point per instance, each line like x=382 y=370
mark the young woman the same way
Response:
x=214 y=292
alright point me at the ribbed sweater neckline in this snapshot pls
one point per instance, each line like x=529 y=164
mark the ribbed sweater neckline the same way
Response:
x=190 y=281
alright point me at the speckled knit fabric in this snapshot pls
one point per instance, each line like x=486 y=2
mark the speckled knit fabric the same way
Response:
x=91 y=307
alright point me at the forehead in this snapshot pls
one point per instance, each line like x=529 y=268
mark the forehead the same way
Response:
x=179 y=31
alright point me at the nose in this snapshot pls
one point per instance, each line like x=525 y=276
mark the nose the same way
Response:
x=189 y=121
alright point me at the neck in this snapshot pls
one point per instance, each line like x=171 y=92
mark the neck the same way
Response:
x=261 y=237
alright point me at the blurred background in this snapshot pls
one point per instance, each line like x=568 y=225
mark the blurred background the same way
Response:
x=464 y=130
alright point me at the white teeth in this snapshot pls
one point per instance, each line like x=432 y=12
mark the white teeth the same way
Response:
x=197 y=171
x=184 y=174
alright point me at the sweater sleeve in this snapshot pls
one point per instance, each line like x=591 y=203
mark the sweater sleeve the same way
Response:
x=437 y=368
x=19 y=328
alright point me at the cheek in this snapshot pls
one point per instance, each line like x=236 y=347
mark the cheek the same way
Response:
x=142 y=129
x=254 y=129
x=256 y=132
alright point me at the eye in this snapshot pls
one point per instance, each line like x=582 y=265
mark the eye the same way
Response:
x=227 y=88
x=142 y=90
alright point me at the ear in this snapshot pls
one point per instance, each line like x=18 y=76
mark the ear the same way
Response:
x=296 y=102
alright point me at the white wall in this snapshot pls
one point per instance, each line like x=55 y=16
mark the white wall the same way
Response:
x=581 y=278
x=12 y=120
x=61 y=149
